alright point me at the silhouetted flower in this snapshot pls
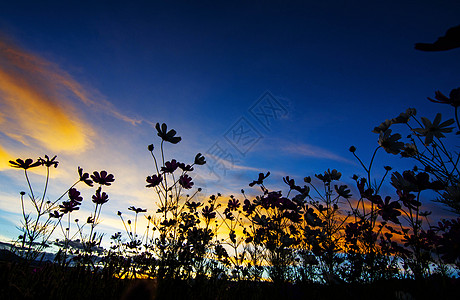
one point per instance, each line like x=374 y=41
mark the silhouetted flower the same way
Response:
x=49 y=162
x=170 y=166
x=352 y=149
x=228 y=214
x=102 y=178
x=193 y=205
x=73 y=203
x=99 y=198
x=409 y=150
x=185 y=181
x=137 y=209
x=74 y=195
x=55 y=214
x=220 y=251
x=361 y=184
x=116 y=236
x=233 y=204
x=208 y=212
x=435 y=129
x=404 y=116
x=343 y=191
x=185 y=168
x=153 y=180
x=390 y=142
x=388 y=210
x=420 y=180
x=271 y=199
x=150 y=147
x=168 y=136
x=27 y=164
x=69 y=206
x=260 y=180
x=450 y=40
x=293 y=216
x=400 y=183
x=382 y=127
x=84 y=177
x=248 y=207
x=295 y=187
x=261 y=220
x=329 y=176
x=453 y=99
x=199 y=159
x=408 y=199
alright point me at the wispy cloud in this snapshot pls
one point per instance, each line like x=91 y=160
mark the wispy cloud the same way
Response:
x=308 y=150
x=39 y=103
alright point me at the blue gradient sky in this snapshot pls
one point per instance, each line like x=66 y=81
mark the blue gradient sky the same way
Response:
x=86 y=81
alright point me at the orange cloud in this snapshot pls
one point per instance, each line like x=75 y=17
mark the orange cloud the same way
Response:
x=38 y=103
x=34 y=109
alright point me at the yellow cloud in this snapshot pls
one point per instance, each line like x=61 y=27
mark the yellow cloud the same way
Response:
x=35 y=108
x=4 y=158
x=38 y=102
x=31 y=115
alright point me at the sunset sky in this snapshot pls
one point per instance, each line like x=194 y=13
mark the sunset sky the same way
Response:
x=88 y=80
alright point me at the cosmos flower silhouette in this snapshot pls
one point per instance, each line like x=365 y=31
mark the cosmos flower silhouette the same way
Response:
x=100 y=198
x=435 y=129
x=388 y=210
x=73 y=203
x=186 y=181
x=449 y=41
x=137 y=209
x=103 y=178
x=49 y=162
x=390 y=142
x=233 y=204
x=170 y=166
x=27 y=164
x=84 y=177
x=329 y=176
x=168 y=136
x=453 y=99
x=154 y=180
x=199 y=159
x=185 y=168
x=208 y=212
x=260 y=180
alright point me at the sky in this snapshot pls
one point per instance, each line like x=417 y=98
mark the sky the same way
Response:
x=254 y=86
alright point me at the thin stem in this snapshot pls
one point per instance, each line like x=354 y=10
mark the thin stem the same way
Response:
x=370 y=166
x=456 y=117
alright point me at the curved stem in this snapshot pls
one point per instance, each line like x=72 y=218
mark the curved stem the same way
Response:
x=30 y=187
x=370 y=166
